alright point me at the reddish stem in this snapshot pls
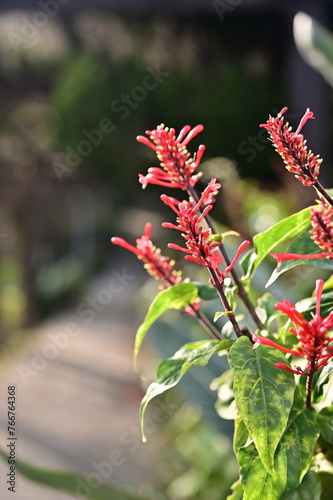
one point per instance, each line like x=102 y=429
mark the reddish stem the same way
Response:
x=242 y=293
x=323 y=192
x=219 y=288
x=309 y=383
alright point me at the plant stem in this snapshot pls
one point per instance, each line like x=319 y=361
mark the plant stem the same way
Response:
x=206 y=324
x=241 y=291
x=309 y=386
x=203 y=320
x=323 y=192
x=219 y=288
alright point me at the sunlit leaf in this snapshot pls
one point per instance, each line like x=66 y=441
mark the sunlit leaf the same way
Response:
x=285 y=337
x=302 y=245
x=265 y=242
x=291 y=462
x=220 y=314
x=266 y=303
x=328 y=285
x=308 y=306
x=315 y=43
x=264 y=395
x=228 y=330
x=241 y=435
x=247 y=265
x=237 y=491
x=176 y=297
x=171 y=370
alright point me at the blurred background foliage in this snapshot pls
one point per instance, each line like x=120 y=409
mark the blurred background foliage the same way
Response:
x=55 y=227
x=226 y=76
x=187 y=472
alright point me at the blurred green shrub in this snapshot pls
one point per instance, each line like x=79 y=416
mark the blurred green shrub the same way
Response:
x=197 y=461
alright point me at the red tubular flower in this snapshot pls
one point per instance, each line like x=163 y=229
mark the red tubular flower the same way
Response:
x=280 y=257
x=200 y=246
x=178 y=166
x=315 y=345
x=293 y=149
x=158 y=266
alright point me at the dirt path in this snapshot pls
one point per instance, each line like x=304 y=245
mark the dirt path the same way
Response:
x=77 y=396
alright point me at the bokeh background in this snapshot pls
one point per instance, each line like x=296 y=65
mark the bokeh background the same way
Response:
x=79 y=81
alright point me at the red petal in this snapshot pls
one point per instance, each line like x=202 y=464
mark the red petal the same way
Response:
x=122 y=243
x=146 y=141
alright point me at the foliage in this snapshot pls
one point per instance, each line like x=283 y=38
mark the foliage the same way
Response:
x=188 y=472
x=277 y=421
x=177 y=297
x=283 y=432
x=265 y=242
x=172 y=370
x=90 y=87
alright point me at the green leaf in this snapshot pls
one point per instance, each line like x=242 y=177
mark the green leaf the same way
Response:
x=291 y=462
x=246 y=263
x=231 y=293
x=325 y=420
x=302 y=245
x=285 y=337
x=206 y=292
x=328 y=283
x=264 y=395
x=308 y=306
x=315 y=43
x=237 y=491
x=227 y=330
x=326 y=480
x=300 y=394
x=320 y=380
x=219 y=314
x=257 y=483
x=296 y=448
x=72 y=482
x=177 y=297
x=241 y=435
x=309 y=489
x=171 y=370
x=266 y=303
x=265 y=242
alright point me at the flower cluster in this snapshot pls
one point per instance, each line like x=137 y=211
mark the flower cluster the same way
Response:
x=321 y=217
x=178 y=167
x=200 y=244
x=158 y=266
x=293 y=149
x=315 y=344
